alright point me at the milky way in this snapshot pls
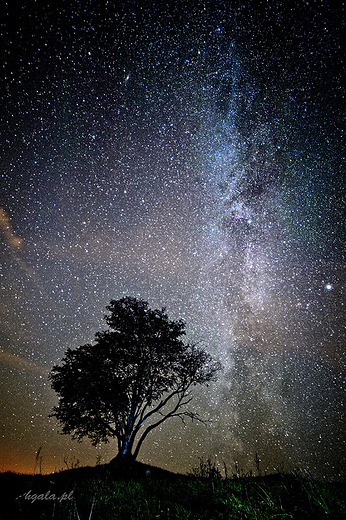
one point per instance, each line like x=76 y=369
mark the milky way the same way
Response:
x=191 y=155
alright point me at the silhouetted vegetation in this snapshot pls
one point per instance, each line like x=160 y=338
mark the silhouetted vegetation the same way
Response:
x=138 y=374
x=141 y=492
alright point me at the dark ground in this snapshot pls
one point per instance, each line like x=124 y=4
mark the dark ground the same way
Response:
x=139 y=491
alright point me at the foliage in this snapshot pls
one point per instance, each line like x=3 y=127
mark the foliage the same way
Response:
x=206 y=469
x=110 y=497
x=136 y=375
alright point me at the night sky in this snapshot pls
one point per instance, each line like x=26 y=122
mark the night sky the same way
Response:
x=190 y=154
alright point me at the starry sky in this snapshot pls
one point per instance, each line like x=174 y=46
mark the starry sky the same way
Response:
x=190 y=154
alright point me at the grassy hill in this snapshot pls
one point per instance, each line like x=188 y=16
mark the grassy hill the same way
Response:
x=141 y=492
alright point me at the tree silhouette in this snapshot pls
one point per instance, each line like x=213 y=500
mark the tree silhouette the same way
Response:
x=136 y=375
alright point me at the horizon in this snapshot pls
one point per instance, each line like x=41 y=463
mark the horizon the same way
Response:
x=190 y=154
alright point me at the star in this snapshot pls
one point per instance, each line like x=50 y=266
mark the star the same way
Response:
x=213 y=187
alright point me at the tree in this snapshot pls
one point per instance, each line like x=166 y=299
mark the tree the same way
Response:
x=135 y=376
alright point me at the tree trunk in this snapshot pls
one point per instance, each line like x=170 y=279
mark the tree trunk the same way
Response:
x=122 y=463
x=125 y=455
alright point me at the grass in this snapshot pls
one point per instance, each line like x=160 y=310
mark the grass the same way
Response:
x=110 y=493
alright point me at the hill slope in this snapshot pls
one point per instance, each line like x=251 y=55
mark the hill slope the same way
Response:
x=141 y=492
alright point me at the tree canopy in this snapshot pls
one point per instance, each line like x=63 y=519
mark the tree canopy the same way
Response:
x=135 y=376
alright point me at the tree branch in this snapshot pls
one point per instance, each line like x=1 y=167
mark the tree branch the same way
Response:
x=164 y=418
x=180 y=390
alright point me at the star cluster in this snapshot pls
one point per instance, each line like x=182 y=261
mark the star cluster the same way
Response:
x=190 y=154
